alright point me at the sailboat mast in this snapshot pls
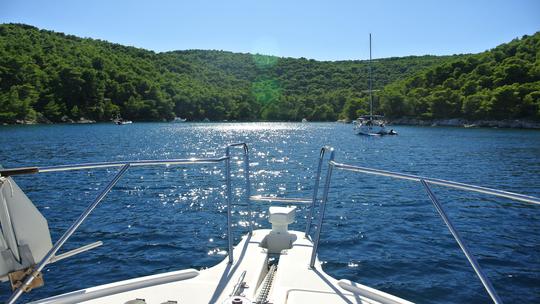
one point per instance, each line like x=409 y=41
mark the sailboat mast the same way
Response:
x=370 y=81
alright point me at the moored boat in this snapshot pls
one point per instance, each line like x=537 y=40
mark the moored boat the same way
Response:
x=120 y=121
x=371 y=125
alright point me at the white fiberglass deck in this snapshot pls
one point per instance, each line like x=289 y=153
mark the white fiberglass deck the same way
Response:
x=294 y=281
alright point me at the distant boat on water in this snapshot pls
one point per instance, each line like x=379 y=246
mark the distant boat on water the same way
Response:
x=120 y=121
x=304 y=120
x=178 y=119
x=371 y=125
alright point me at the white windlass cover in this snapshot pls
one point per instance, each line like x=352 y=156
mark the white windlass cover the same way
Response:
x=24 y=233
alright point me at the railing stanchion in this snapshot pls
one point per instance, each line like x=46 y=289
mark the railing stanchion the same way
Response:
x=39 y=267
x=229 y=203
x=316 y=188
x=248 y=183
x=322 y=210
x=248 y=187
x=485 y=281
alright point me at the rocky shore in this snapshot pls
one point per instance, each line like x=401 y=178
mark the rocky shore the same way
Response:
x=43 y=120
x=459 y=122
x=455 y=122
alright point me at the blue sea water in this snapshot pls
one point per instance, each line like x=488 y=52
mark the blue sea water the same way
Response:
x=377 y=231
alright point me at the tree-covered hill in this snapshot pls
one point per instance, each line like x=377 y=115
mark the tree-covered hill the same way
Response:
x=48 y=75
x=502 y=83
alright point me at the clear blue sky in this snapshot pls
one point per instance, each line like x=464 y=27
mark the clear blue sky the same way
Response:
x=324 y=30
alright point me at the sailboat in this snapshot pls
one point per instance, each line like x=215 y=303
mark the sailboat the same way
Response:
x=371 y=125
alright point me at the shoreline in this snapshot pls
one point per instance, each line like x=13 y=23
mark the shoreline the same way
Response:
x=454 y=122
x=465 y=123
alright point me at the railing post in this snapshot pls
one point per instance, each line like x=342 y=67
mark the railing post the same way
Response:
x=246 y=176
x=483 y=278
x=248 y=187
x=39 y=267
x=322 y=210
x=229 y=203
x=316 y=189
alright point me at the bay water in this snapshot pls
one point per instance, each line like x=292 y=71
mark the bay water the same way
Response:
x=377 y=231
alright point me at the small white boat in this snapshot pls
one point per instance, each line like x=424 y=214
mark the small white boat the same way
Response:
x=304 y=120
x=276 y=265
x=179 y=120
x=120 y=121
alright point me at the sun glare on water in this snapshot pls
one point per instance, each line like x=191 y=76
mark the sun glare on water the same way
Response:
x=257 y=126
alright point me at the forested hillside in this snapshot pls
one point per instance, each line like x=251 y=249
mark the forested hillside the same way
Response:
x=52 y=76
x=502 y=83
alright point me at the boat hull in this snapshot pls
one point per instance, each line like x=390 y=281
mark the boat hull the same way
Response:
x=371 y=130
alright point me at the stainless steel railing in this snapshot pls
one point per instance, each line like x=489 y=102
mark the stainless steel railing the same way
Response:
x=50 y=254
x=246 y=177
x=425 y=181
x=135 y=163
x=275 y=199
x=472 y=260
x=124 y=166
x=316 y=186
x=314 y=201
x=440 y=182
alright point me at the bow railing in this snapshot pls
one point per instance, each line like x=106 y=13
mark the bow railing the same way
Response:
x=50 y=257
x=425 y=182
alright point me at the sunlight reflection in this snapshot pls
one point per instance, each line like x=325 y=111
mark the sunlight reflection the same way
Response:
x=249 y=126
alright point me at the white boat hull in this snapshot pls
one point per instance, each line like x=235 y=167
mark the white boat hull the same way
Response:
x=371 y=130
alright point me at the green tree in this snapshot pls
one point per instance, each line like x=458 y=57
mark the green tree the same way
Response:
x=53 y=111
